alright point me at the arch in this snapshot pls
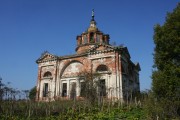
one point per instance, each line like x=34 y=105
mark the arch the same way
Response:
x=102 y=68
x=73 y=63
x=47 y=74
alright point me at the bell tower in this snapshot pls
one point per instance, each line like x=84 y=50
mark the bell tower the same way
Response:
x=92 y=36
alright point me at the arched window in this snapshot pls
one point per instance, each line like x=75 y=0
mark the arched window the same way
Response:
x=47 y=74
x=92 y=38
x=102 y=68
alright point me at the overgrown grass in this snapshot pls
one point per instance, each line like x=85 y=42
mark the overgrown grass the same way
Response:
x=68 y=110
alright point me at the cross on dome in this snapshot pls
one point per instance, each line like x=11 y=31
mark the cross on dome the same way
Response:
x=92 y=15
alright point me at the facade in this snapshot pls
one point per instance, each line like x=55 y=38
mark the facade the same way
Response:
x=57 y=74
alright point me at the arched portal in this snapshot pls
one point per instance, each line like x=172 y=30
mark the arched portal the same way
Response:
x=69 y=79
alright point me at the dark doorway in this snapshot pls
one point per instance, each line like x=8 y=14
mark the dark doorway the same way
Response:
x=102 y=87
x=64 y=90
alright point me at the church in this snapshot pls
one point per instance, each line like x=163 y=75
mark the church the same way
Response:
x=119 y=76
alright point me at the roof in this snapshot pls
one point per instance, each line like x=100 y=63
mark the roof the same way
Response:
x=46 y=56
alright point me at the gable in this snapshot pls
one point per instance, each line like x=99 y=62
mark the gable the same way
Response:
x=46 y=56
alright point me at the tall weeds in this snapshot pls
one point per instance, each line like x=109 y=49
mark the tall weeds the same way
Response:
x=62 y=109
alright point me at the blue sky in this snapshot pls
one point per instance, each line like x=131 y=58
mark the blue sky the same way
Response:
x=30 y=27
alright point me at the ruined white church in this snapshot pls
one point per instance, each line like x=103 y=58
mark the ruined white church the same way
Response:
x=57 y=74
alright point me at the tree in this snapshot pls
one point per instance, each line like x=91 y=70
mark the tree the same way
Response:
x=32 y=93
x=92 y=88
x=166 y=75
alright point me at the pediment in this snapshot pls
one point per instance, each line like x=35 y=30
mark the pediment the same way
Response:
x=46 y=56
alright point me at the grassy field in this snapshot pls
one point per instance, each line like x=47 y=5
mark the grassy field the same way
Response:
x=69 y=110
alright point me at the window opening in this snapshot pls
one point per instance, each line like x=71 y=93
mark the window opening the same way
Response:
x=45 y=91
x=92 y=38
x=64 y=90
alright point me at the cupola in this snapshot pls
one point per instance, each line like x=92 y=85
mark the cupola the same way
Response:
x=92 y=36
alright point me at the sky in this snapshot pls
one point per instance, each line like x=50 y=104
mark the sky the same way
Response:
x=30 y=27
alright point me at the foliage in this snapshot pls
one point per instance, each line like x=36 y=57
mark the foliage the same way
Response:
x=62 y=110
x=166 y=76
x=32 y=93
x=91 y=89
